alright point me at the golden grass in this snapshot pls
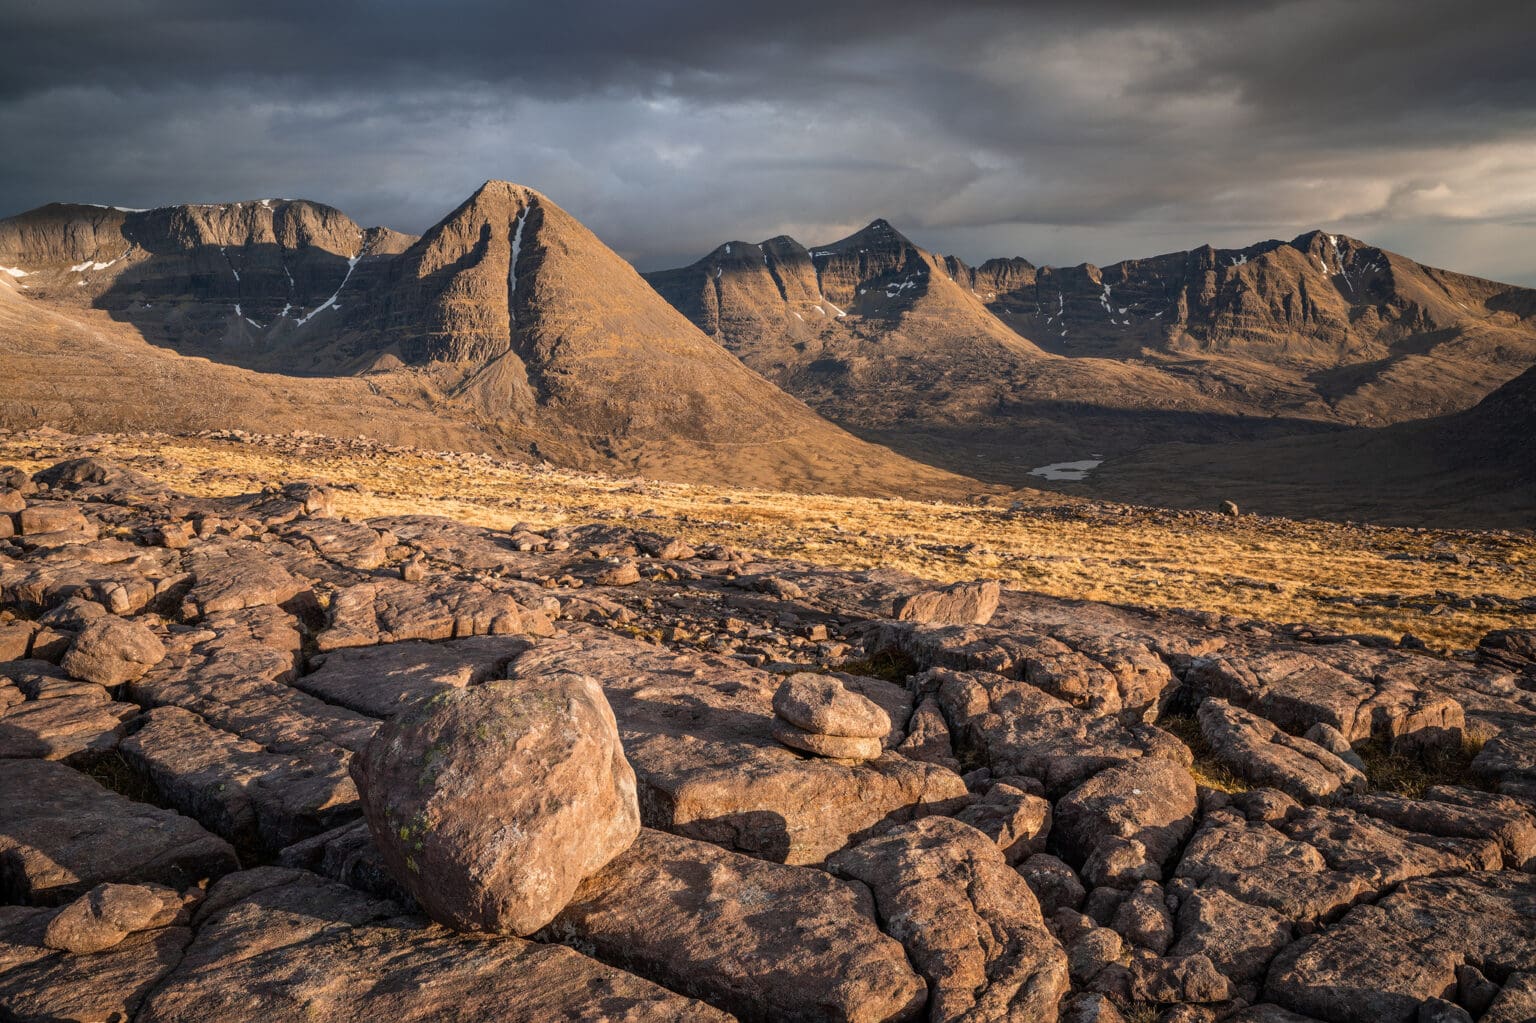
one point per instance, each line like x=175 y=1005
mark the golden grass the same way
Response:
x=1206 y=770
x=1105 y=553
x=1410 y=772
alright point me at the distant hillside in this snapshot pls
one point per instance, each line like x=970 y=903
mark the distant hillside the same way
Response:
x=507 y=325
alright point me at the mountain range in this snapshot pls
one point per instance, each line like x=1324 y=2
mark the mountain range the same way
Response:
x=867 y=365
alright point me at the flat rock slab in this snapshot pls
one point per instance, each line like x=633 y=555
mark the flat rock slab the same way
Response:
x=392 y=610
x=379 y=680
x=38 y=983
x=234 y=673
x=239 y=578
x=64 y=727
x=237 y=788
x=285 y=946
x=1381 y=962
x=1296 y=691
x=62 y=834
x=698 y=731
x=1014 y=728
x=348 y=544
x=763 y=941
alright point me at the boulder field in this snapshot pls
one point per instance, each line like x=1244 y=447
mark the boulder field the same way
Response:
x=261 y=762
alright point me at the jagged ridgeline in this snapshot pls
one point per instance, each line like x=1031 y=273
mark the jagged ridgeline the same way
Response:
x=507 y=325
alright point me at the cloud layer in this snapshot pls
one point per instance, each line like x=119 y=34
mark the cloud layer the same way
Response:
x=1090 y=131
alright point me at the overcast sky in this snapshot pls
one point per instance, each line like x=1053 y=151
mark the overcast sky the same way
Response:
x=1061 y=132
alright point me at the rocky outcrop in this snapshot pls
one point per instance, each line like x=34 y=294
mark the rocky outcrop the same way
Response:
x=1076 y=870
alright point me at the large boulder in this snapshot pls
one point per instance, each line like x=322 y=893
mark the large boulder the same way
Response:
x=111 y=650
x=492 y=804
x=960 y=604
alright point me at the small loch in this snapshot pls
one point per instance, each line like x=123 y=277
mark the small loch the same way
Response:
x=1068 y=472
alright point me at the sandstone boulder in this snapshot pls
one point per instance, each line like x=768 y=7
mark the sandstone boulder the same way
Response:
x=821 y=704
x=111 y=650
x=108 y=913
x=1124 y=823
x=492 y=804
x=960 y=604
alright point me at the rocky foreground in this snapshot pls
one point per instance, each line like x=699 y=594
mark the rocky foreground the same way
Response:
x=860 y=796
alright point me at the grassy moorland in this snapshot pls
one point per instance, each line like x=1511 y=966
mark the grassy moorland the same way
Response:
x=1447 y=588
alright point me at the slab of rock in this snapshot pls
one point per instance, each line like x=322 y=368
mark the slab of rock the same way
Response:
x=1124 y=823
x=349 y=544
x=348 y=854
x=379 y=680
x=110 y=651
x=837 y=747
x=1017 y=821
x=1510 y=649
x=1382 y=962
x=39 y=984
x=1256 y=750
x=1107 y=671
x=63 y=725
x=234 y=673
x=51 y=517
x=285 y=946
x=392 y=610
x=104 y=916
x=492 y=804
x=1177 y=979
x=968 y=920
x=1515 y=1002
x=928 y=737
x=237 y=788
x=760 y=940
x=822 y=704
x=960 y=604
x=1055 y=884
x=1453 y=812
x=62 y=834
x=698 y=730
x=225 y=581
x=1014 y=728
x=1296 y=691
x=1239 y=938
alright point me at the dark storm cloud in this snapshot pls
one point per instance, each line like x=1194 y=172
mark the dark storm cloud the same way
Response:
x=1092 y=130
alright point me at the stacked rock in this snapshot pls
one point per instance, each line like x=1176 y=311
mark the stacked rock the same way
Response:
x=817 y=714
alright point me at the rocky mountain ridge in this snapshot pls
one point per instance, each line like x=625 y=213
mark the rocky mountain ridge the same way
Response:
x=508 y=320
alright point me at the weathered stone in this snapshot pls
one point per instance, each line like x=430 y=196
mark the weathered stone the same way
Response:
x=624 y=574
x=1516 y=1002
x=1014 y=728
x=235 y=787
x=1260 y=752
x=698 y=730
x=1125 y=822
x=62 y=834
x=760 y=940
x=229 y=581
x=111 y=650
x=391 y=611
x=928 y=737
x=62 y=725
x=108 y=913
x=1381 y=962
x=41 y=985
x=822 y=704
x=1296 y=691
x=1190 y=978
x=1055 y=884
x=350 y=544
x=1238 y=937
x=969 y=922
x=1091 y=951
x=960 y=604
x=52 y=517
x=1452 y=812
x=380 y=680
x=1143 y=918
x=1015 y=820
x=284 y=946
x=16 y=640
x=838 y=747
x=492 y=804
